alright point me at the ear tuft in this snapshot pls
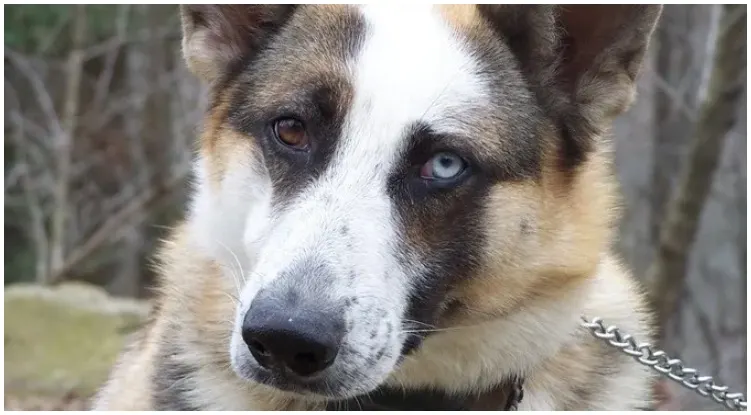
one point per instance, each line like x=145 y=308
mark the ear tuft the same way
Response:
x=216 y=36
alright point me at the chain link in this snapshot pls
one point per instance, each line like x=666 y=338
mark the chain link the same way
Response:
x=658 y=360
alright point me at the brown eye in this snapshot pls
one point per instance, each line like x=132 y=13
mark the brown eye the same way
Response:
x=291 y=132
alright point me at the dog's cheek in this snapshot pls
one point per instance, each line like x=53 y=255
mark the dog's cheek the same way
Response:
x=514 y=225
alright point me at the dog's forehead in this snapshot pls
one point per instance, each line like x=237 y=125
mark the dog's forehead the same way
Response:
x=412 y=67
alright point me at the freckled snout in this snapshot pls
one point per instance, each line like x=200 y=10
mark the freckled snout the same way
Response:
x=285 y=335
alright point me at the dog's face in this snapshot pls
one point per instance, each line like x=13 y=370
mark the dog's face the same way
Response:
x=365 y=171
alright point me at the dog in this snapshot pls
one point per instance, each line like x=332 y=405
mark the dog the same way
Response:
x=414 y=202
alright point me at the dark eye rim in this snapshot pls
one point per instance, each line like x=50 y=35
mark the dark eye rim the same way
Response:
x=275 y=133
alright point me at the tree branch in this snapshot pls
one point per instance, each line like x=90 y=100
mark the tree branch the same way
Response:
x=64 y=141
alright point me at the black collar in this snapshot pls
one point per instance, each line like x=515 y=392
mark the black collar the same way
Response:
x=504 y=397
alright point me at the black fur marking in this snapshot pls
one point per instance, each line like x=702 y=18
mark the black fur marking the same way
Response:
x=172 y=381
x=291 y=170
x=411 y=344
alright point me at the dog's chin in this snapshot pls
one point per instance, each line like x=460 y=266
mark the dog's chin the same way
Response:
x=332 y=384
x=325 y=387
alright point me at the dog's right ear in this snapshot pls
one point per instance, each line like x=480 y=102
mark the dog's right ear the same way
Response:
x=216 y=36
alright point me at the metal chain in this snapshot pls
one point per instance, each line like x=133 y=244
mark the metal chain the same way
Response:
x=656 y=359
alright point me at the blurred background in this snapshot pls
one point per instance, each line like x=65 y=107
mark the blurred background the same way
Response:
x=100 y=121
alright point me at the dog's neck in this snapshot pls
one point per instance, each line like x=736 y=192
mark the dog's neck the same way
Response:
x=476 y=358
x=505 y=397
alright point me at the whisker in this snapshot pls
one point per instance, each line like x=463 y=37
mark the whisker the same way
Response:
x=418 y=322
x=440 y=329
x=239 y=265
x=234 y=276
x=233 y=298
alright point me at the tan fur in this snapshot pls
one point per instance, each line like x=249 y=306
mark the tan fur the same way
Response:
x=523 y=306
x=547 y=262
x=461 y=16
x=131 y=378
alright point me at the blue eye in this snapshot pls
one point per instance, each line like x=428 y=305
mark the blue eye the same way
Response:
x=443 y=166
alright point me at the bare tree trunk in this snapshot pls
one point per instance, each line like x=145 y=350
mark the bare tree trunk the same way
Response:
x=64 y=143
x=125 y=281
x=150 y=138
x=680 y=67
x=159 y=136
x=717 y=116
x=741 y=242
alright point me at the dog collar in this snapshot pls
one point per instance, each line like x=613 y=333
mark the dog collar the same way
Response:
x=504 y=397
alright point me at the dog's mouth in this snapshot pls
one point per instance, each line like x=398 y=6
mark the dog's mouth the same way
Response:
x=353 y=373
x=319 y=388
x=333 y=384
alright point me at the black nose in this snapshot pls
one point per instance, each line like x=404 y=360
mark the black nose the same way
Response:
x=279 y=335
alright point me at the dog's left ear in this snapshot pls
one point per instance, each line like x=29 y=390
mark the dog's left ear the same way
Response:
x=582 y=60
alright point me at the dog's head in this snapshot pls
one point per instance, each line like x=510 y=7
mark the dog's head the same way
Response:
x=372 y=173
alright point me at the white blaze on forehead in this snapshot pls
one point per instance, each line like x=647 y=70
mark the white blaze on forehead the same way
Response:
x=412 y=67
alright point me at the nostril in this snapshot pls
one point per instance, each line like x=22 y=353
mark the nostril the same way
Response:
x=312 y=361
x=306 y=359
x=323 y=358
x=259 y=351
x=257 y=346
